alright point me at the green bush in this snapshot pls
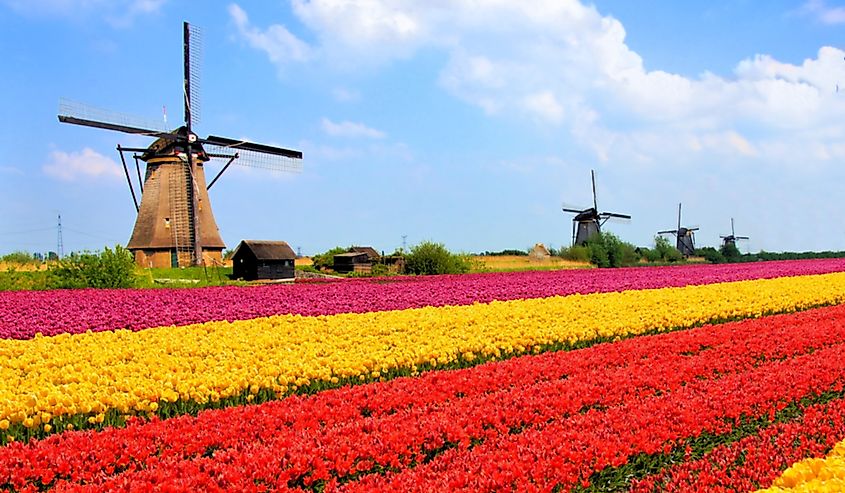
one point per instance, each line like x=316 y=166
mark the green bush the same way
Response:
x=730 y=252
x=665 y=251
x=607 y=250
x=19 y=258
x=575 y=253
x=106 y=269
x=710 y=254
x=433 y=258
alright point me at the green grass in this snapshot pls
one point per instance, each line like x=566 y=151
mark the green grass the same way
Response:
x=186 y=277
x=13 y=279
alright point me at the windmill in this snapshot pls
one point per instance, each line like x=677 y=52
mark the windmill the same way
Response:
x=731 y=238
x=685 y=237
x=588 y=222
x=175 y=225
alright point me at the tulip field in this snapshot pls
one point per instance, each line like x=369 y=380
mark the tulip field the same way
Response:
x=684 y=378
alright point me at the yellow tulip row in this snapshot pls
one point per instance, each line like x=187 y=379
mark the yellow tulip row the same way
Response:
x=814 y=475
x=159 y=369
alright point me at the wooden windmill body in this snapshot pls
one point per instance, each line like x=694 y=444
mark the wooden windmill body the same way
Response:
x=175 y=225
x=588 y=221
x=732 y=238
x=684 y=237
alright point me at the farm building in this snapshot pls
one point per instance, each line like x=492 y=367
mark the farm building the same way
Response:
x=358 y=259
x=255 y=259
x=539 y=252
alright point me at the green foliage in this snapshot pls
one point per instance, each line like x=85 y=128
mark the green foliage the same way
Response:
x=380 y=270
x=106 y=269
x=518 y=253
x=665 y=252
x=575 y=253
x=710 y=254
x=730 y=251
x=433 y=258
x=325 y=260
x=19 y=257
x=607 y=250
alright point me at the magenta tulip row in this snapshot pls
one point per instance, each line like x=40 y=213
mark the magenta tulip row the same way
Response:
x=23 y=314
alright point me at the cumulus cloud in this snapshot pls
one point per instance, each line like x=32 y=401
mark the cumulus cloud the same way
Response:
x=277 y=42
x=75 y=166
x=350 y=129
x=825 y=14
x=119 y=13
x=563 y=63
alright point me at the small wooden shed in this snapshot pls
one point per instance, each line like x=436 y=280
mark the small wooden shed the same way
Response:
x=357 y=259
x=352 y=262
x=257 y=259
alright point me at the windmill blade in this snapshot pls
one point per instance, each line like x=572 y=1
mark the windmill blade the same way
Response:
x=574 y=211
x=193 y=52
x=694 y=228
x=668 y=231
x=741 y=238
x=615 y=215
x=255 y=159
x=89 y=116
x=243 y=145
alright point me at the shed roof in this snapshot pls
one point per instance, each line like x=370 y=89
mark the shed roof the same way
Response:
x=370 y=251
x=267 y=250
x=352 y=255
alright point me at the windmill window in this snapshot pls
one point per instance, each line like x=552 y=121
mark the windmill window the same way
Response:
x=166 y=222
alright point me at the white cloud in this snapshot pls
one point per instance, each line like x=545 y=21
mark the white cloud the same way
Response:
x=82 y=165
x=10 y=170
x=277 y=42
x=562 y=62
x=119 y=13
x=825 y=14
x=344 y=95
x=350 y=129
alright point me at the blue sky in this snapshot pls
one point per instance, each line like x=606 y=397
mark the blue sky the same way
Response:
x=463 y=122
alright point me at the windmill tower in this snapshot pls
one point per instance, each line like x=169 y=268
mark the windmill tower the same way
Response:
x=731 y=238
x=175 y=225
x=685 y=237
x=587 y=222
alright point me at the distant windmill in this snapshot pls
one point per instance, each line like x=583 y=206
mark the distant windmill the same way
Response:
x=588 y=222
x=731 y=238
x=685 y=237
x=175 y=225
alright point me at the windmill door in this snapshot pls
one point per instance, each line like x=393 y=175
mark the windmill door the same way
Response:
x=174 y=258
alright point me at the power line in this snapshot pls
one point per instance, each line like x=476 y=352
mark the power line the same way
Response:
x=5 y=233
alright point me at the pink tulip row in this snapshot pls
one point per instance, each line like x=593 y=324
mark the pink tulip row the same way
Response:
x=23 y=314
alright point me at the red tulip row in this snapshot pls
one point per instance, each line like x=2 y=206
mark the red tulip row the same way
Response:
x=755 y=461
x=403 y=423
x=565 y=453
x=25 y=313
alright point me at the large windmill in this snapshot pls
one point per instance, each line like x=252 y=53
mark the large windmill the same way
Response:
x=175 y=225
x=731 y=238
x=588 y=222
x=685 y=237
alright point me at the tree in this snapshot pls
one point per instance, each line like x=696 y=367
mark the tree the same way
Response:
x=433 y=258
x=730 y=251
x=607 y=250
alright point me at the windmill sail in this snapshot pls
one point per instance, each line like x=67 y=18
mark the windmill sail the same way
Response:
x=175 y=225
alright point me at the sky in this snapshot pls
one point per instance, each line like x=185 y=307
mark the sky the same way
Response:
x=464 y=122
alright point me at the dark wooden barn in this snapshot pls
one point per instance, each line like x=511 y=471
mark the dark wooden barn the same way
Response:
x=254 y=259
x=357 y=259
